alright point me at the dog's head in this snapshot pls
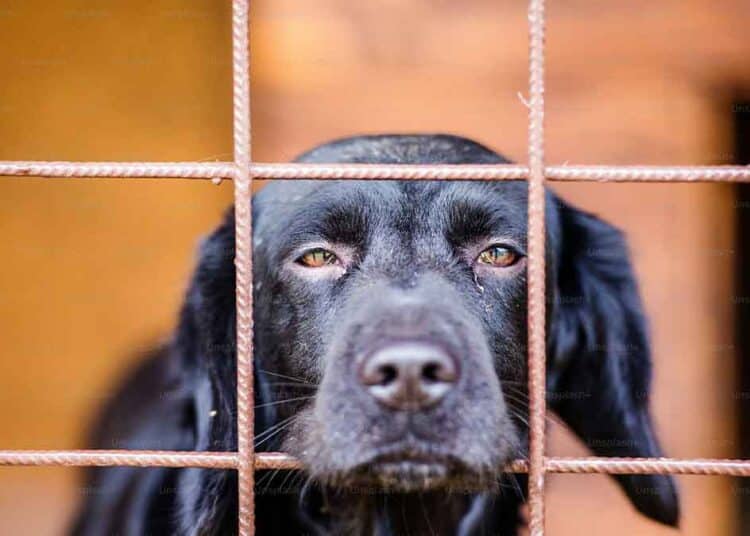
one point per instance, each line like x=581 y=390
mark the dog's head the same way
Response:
x=391 y=325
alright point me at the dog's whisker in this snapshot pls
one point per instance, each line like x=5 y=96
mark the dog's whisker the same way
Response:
x=275 y=473
x=511 y=391
x=293 y=384
x=549 y=417
x=298 y=479
x=522 y=404
x=426 y=516
x=292 y=378
x=273 y=429
x=522 y=414
x=513 y=395
x=523 y=399
x=276 y=432
x=264 y=478
x=289 y=474
x=514 y=382
x=515 y=485
x=275 y=425
x=516 y=390
x=285 y=401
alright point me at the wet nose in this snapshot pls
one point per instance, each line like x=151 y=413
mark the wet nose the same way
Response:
x=409 y=376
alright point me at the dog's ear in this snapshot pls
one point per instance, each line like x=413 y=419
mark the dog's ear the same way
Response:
x=599 y=355
x=206 y=343
x=207 y=339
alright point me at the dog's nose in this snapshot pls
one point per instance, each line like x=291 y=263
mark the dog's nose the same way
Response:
x=409 y=376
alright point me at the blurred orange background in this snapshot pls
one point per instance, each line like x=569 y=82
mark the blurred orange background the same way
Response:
x=93 y=271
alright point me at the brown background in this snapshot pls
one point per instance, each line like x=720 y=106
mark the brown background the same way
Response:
x=93 y=270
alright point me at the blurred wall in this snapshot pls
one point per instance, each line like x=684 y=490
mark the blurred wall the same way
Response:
x=93 y=270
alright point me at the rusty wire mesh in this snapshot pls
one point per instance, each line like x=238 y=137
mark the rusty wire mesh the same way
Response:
x=242 y=171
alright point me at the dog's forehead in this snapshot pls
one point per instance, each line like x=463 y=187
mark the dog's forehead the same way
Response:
x=282 y=201
x=411 y=202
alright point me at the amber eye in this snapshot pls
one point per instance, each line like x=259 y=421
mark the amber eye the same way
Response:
x=498 y=256
x=317 y=258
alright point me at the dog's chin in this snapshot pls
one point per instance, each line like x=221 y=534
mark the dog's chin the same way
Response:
x=408 y=473
x=407 y=465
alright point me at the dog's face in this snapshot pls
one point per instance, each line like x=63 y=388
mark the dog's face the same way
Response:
x=405 y=304
x=391 y=326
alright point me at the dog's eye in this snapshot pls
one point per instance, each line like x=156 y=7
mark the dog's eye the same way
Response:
x=498 y=256
x=317 y=258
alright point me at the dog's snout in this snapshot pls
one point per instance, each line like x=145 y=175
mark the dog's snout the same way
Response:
x=409 y=376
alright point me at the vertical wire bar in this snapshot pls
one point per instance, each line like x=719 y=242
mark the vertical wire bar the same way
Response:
x=536 y=269
x=243 y=264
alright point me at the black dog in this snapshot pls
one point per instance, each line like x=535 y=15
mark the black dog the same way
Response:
x=390 y=358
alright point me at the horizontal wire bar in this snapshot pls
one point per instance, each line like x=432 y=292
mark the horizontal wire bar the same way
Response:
x=581 y=465
x=276 y=460
x=125 y=458
x=280 y=460
x=502 y=172
x=227 y=170
x=666 y=466
x=184 y=170
x=649 y=173
x=389 y=171
x=156 y=458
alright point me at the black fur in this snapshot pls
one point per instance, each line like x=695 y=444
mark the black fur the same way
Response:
x=409 y=273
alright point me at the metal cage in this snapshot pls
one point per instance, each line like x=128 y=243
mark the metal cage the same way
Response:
x=242 y=171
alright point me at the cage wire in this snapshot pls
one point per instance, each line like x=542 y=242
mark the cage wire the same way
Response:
x=242 y=170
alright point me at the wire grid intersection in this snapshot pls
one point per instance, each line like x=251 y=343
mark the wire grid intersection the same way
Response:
x=242 y=171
